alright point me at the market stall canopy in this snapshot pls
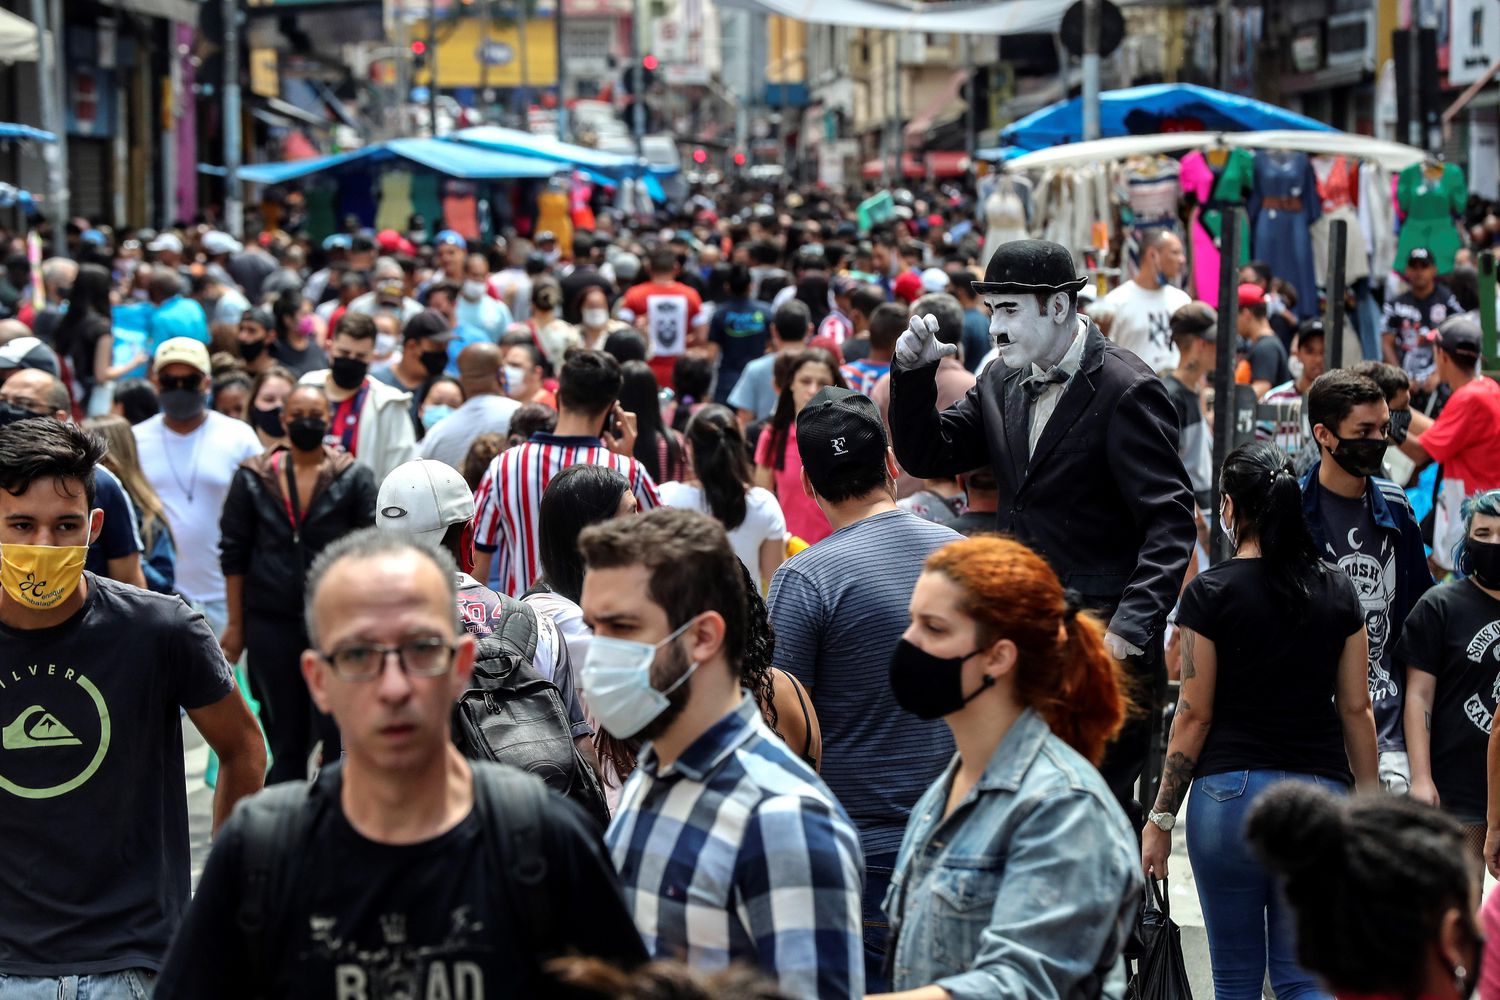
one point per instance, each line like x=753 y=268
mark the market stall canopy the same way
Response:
x=1154 y=109
x=995 y=17
x=10 y=130
x=17 y=38
x=510 y=140
x=442 y=156
x=1391 y=155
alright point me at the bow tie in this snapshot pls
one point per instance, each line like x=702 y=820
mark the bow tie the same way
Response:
x=1035 y=384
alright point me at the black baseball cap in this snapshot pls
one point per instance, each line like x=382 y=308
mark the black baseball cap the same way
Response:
x=428 y=324
x=1420 y=257
x=837 y=430
x=1459 y=335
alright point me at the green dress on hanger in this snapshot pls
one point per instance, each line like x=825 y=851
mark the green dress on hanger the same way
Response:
x=1431 y=205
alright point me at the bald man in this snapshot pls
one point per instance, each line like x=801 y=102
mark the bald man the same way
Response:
x=486 y=408
x=31 y=393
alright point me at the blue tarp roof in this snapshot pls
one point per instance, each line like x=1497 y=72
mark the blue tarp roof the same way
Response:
x=1143 y=110
x=11 y=130
x=512 y=140
x=444 y=156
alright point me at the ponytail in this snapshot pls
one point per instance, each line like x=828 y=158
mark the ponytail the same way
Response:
x=721 y=463
x=1084 y=703
x=1268 y=507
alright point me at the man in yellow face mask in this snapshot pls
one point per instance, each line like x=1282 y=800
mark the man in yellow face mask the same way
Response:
x=92 y=672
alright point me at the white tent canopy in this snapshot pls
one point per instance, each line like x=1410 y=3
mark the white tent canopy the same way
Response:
x=985 y=17
x=17 y=38
x=1391 y=155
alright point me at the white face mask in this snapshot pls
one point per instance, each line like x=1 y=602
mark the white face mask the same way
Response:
x=386 y=344
x=616 y=683
x=472 y=291
x=1227 y=526
x=514 y=376
x=1294 y=365
x=1025 y=336
x=595 y=319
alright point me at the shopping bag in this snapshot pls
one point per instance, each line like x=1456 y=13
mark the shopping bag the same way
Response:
x=1154 y=955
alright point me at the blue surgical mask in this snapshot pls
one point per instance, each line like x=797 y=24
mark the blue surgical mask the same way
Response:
x=434 y=413
x=616 y=681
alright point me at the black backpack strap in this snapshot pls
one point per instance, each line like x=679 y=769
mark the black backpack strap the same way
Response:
x=271 y=823
x=511 y=806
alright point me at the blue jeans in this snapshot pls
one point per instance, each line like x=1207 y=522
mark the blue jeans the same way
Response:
x=877 y=929
x=1249 y=924
x=131 y=984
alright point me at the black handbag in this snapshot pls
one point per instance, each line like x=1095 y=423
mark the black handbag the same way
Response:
x=1154 y=954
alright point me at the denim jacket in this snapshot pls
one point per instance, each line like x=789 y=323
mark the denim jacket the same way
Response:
x=1028 y=889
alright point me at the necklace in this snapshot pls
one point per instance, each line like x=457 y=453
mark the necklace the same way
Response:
x=166 y=451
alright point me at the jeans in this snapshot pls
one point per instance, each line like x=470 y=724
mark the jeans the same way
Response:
x=1367 y=320
x=877 y=930
x=1249 y=924
x=217 y=613
x=131 y=984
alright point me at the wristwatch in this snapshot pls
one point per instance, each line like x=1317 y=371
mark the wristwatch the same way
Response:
x=1163 y=821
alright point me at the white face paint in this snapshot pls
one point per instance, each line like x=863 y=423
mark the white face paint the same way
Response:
x=1025 y=334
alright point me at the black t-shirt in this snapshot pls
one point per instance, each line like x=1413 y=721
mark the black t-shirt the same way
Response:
x=1273 y=696
x=93 y=802
x=1453 y=633
x=1367 y=557
x=1268 y=361
x=417 y=920
x=741 y=328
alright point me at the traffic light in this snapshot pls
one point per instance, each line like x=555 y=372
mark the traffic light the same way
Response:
x=700 y=156
x=418 y=55
x=649 y=64
x=647 y=74
x=739 y=159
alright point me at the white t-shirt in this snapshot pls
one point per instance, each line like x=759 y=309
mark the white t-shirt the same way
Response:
x=191 y=473
x=763 y=521
x=1143 y=322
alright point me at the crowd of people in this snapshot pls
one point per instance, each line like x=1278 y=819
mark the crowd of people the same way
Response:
x=858 y=598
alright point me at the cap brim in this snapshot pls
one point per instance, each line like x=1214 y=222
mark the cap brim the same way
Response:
x=1022 y=288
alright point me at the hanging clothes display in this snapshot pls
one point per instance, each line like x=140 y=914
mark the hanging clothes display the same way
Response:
x=1282 y=210
x=357 y=196
x=581 y=201
x=552 y=214
x=1220 y=180
x=1338 y=187
x=322 y=219
x=461 y=209
x=1377 y=218
x=1007 y=212
x=396 y=206
x=426 y=202
x=1149 y=190
x=1430 y=198
x=1069 y=200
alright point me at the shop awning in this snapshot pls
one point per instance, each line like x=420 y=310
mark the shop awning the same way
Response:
x=11 y=130
x=1391 y=155
x=17 y=38
x=996 y=17
x=555 y=151
x=1152 y=109
x=441 y=156
x=922 y=123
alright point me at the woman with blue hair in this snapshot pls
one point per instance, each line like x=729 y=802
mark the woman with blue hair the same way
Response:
x=1451 y=651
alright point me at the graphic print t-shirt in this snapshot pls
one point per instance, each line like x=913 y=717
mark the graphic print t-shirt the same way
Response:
x=1366 y=556
x=93 y=804
x=1143 y=319
x=1453 y=633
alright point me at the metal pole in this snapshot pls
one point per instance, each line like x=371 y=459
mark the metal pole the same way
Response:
x=562 y=76
x=1226 y=44
x=971 y=118
x=234 y=190
x=1224 y=407
x=432 y=68
x=1090 y=69
x=893 y=116
x=54 y=153
x=486 y=12
x=522 y=16
x=403 y=68
x=1487 y=310
x=638 y=81
x=1333 y=338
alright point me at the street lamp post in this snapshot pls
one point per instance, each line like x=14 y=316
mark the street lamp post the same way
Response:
x=234 y=191
x=54 y=153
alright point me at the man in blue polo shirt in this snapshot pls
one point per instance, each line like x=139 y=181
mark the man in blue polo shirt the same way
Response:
x=176 y=315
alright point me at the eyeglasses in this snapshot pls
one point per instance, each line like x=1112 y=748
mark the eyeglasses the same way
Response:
x=189 y=382
x=365 y=662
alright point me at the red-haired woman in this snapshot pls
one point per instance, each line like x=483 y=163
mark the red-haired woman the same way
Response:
x=1019 y=873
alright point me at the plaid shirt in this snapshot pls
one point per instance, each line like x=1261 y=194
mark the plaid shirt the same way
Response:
x=738 y=852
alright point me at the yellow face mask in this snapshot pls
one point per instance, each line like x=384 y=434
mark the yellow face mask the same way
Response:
x=41 y=576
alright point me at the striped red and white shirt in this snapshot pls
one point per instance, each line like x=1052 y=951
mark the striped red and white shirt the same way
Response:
x=508 y=501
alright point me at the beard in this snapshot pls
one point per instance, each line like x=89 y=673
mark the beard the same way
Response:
x=674 y=666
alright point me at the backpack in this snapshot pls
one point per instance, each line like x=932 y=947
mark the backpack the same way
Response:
x=276 y=822
x=510 y=714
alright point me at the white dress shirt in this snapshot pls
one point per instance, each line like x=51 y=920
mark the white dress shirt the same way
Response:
x=1046 y=401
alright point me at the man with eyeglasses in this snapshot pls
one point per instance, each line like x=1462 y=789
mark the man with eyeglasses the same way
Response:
x=189 y=453
x=403 y=869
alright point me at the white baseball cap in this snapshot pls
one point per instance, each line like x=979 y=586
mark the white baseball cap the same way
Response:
x=934 y=280
x=423 y=498
x=166 y=241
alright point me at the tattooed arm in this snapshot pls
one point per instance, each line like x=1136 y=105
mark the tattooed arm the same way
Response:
x=1416 y=718
x=1190 y=725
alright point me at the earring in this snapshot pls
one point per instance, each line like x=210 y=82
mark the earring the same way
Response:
x=1460 y=980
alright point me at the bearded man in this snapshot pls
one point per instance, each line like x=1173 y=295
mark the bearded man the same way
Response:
x=1082 y=438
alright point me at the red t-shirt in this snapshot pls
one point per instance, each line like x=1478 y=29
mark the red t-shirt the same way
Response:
x=1465 y=436
x=669 y=311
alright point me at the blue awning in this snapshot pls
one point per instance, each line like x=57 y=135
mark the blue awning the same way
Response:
x=510 y=140
x=443 y=156
x=11 y=130
x=787 y=95
x=1160 y=107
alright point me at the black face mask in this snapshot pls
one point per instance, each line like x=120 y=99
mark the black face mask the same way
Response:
x=11 y=413
x=182 y=404
x=307 y=433
x=1400 y=424
x=1484 y=562
x=252 y=349
x=268 y=422
x=434 y=361
x=348 y=373
x=928 y=686
x=1360 y=456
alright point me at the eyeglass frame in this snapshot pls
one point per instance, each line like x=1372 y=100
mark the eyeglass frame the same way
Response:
x=385 y=654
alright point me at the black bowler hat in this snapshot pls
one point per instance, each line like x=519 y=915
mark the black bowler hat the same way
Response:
x=1036 y=267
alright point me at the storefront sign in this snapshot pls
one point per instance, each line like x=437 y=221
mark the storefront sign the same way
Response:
x=1473 y=40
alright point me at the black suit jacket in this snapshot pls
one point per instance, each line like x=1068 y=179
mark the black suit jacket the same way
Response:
x=1104 y=498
